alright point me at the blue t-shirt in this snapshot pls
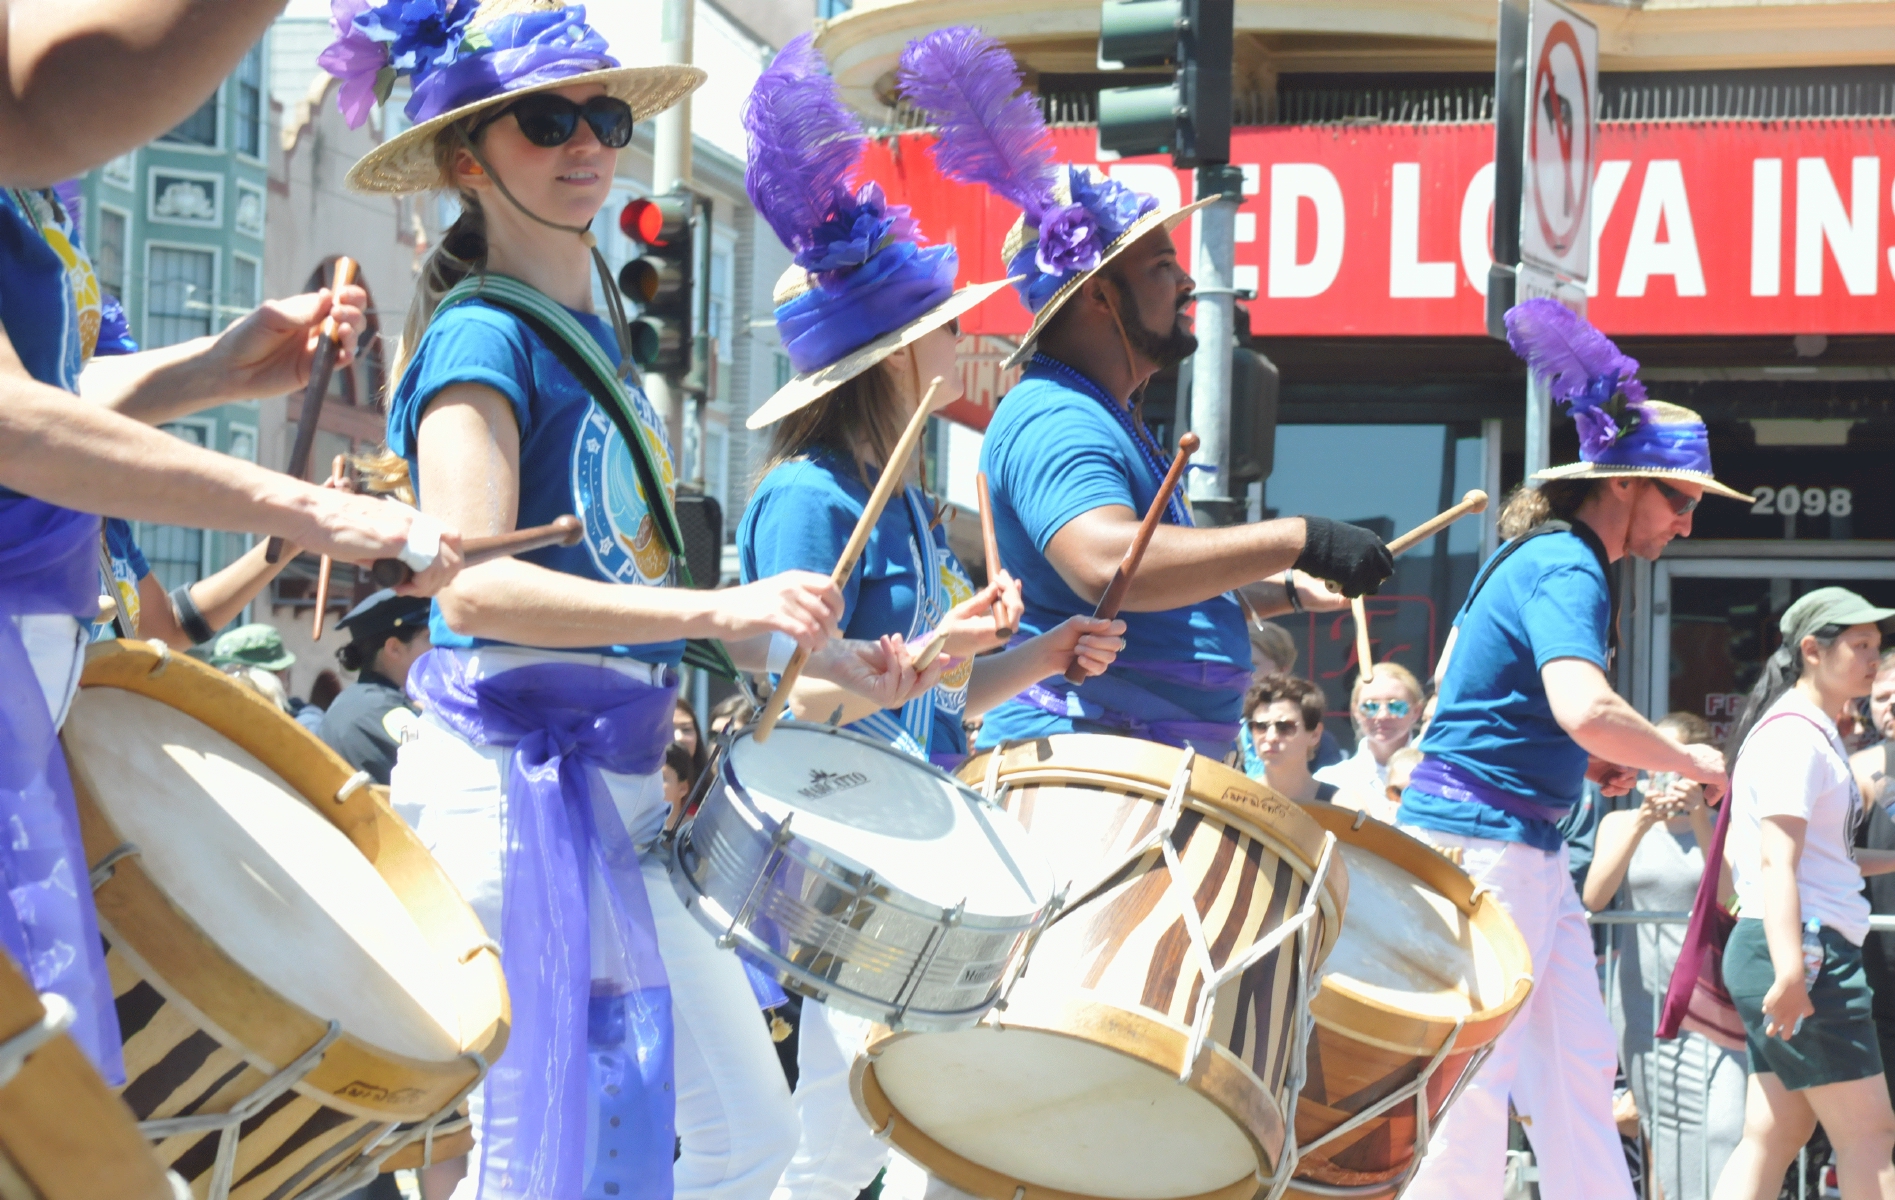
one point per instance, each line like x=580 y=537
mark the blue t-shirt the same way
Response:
x=800 y=518
x=1052 y=453
x=572 y=458
x=127 y=565
x=1548 y=600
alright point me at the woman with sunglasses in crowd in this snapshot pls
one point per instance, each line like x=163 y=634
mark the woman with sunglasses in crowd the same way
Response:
x=549 y=697
x=868 y=315
x=1284 y=725
x=1385 y=710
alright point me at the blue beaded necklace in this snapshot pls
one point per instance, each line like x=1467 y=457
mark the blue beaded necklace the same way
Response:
x=1148 y=448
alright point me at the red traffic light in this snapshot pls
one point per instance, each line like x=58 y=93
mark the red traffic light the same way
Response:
x=643 y=221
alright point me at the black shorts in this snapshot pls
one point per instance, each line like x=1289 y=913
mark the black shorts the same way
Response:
x=1837 y=1043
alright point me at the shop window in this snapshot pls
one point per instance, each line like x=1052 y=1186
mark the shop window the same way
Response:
x=178 y=299
x=248 y=97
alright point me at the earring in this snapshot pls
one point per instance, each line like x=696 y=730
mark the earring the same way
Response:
x=475 y=169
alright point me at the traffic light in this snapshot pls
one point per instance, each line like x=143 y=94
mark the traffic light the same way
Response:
x=1189 y=118
x=659 y=280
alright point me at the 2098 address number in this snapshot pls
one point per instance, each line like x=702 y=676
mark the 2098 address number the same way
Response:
x=1790 y=501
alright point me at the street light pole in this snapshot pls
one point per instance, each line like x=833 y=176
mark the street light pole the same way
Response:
x=1216 y=331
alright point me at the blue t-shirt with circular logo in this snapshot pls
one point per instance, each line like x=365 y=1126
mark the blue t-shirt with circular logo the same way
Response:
x=572 y=458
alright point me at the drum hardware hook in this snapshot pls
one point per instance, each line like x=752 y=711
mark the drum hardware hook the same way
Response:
x=103 y=871
x=477 y=947
x=352 y=784
x=57 y=1018
x=164 y=657
x=1019 y=1193
x=1361 y=815
x=887 y=1131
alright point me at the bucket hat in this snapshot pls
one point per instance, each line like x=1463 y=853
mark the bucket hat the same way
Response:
x=462 y=57
x=1073 y=220
x=864 y=283
x=1622 y=432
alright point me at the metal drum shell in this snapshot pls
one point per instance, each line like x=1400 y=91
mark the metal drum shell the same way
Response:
x=1368 y=1047
x=183 y=985
x=720 y=855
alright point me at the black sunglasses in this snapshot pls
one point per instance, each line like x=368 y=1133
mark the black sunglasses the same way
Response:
x=1282 y=729
x=549 y=120
x=1680 y=503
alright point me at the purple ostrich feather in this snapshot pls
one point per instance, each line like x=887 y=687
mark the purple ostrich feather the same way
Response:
x=992 y=131
x=1580 y=366
x=804 y=144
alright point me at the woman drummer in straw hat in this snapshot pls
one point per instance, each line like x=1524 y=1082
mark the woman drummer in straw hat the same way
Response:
x=1526 y=714
x=548 y=698
x=867 y=315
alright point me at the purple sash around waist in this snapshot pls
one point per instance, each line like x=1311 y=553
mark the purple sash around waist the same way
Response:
x=1117 y=701
x=49 y=564
x=1440 y=778
x=569 y=863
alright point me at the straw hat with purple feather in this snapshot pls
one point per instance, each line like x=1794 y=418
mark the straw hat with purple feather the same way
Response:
x=863 y=284
x=1622 y=432
x=1073 y=220
x=463 y=56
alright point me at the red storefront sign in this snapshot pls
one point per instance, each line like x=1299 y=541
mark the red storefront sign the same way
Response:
x=1717 y=228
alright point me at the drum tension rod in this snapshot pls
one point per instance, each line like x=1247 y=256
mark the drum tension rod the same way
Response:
x=164 y=657
x=353 y=784
x=14 y=1052
x=103 y=871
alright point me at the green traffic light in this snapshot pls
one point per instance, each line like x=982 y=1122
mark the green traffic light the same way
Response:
x=1140 y=120
x=1139 y=33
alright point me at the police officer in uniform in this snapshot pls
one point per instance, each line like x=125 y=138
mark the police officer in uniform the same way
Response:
x=365 y=725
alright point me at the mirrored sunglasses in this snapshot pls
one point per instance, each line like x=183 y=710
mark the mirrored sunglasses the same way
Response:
x=1280 y=728
x=1383 y=708
x=547 y=119
x=1680 y=503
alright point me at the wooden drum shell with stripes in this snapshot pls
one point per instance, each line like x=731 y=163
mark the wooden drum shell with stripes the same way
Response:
x=201 y=1031
x=1095 y=1033
x=1436 y=951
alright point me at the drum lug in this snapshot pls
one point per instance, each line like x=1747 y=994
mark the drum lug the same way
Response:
x=17 y=1049
x=781 y=838
x=105 y=866
x=164 y=657
x=352 y=784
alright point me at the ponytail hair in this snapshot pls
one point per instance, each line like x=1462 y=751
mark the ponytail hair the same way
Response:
x=1780 y=673
x=462 y=252
x=1527 y=506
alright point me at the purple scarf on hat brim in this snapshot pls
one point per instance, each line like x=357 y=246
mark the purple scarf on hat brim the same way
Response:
x=564 y=724
x=1681 y=447
x=49 y=564
x=846 y=311
x=529 y=50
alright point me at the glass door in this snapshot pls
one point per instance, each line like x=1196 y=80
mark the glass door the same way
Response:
x=1715 y=621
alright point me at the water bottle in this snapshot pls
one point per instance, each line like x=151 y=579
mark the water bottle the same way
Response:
x=1812 y=952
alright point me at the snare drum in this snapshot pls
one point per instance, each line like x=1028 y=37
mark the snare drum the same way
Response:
x=865 y=878
x=1426 y=975
x=63 y=1134
x=1124 y=1065
x=300 y=990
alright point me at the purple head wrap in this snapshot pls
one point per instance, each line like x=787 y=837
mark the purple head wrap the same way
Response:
x=450 y=64
x=1582 y=368
x=870 y=273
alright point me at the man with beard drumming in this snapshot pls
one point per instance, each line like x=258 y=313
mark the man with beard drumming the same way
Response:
x=1072 y=467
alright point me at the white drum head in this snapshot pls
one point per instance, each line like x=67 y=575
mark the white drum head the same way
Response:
x=1057 y=1112
x=272 y=884
x=1407 y=946
x=921 y=831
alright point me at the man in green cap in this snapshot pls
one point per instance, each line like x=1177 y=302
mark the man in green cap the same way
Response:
x=260 y=646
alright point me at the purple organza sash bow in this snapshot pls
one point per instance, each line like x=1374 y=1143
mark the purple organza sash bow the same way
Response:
x=1440 y=778
x=49 y=564
x=568 y=865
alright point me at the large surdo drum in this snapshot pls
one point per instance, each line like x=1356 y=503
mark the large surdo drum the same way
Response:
x=863 y=877
x=1147 y=1052
x=301 y=991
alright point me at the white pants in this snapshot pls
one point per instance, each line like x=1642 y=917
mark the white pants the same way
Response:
x=735 y=1118
x=838 y=1154
x=56 y=646
x=1557 y=1060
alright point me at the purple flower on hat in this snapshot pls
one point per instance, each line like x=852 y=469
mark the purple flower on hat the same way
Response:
x=377 y=43
x=1070 y=241
x=1113 y=205
x=356 y=60
x=854 y=232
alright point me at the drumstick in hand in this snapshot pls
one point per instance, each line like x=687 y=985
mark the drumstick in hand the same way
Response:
x=990 y=544
x=1108 y=606
x=338 y=479
x=561 y=531
x=327 y=347
x=1473 y=502
x=1365 y=662
x=892 y=473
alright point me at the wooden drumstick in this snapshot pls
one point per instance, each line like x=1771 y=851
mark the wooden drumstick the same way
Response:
x=1108 y=606
x=561 y=531
x=892 y=472
x=1365 y=663
x=327 y=564
x=327 y=347
x=989 y=543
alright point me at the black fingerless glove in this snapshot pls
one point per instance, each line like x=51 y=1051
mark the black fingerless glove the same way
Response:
x=1349 y=555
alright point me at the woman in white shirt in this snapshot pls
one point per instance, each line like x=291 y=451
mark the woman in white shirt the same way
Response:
x=1385 y=711
x=1813 y=1051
